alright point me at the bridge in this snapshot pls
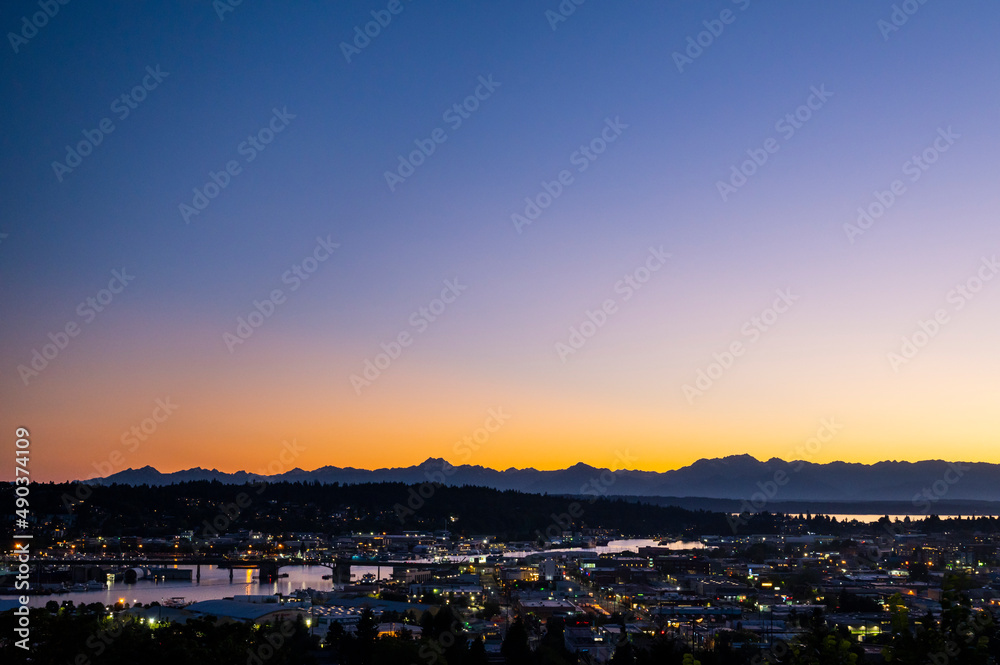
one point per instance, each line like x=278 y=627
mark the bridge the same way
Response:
x=268 y=566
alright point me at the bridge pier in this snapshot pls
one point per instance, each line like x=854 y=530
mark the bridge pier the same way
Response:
x=268 y=571
x=342 y=573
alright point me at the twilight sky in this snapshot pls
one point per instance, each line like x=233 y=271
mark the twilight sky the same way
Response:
x=585 y=258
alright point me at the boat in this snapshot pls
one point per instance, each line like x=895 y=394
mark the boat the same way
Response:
x=94 y=585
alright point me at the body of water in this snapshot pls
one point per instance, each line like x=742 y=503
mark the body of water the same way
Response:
x=616 y=546
x=633 y=544
x=877 y=517
x=214 y=584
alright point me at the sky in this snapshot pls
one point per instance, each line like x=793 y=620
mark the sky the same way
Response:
x=520 y=234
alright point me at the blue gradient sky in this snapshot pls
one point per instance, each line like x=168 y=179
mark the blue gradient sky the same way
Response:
x=496 y=344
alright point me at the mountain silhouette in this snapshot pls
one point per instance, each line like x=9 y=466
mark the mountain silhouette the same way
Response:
x=739 y=477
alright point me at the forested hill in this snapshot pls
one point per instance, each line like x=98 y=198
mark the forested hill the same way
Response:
x=213 y=508
x=392 y=507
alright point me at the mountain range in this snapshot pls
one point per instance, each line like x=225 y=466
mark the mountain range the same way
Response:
x=921 y=485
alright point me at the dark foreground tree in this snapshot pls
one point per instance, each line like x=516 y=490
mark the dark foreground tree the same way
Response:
x=515 y=647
